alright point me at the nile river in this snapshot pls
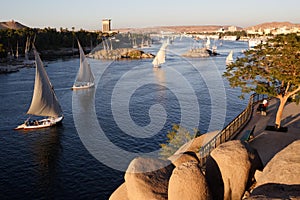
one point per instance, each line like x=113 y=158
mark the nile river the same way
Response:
x=126 y=115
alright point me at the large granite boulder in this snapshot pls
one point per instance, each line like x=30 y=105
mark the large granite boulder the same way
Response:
x=148 y=178
x=178 y=159
x=120 y=193
x=280 y=177
x=228 y=169
x=188 y=182
x=284 y=168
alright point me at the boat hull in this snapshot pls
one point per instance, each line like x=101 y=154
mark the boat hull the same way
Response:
x=38 y=124
x=83 y=86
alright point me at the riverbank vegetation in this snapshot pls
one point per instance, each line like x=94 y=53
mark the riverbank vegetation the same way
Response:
x=13 y=42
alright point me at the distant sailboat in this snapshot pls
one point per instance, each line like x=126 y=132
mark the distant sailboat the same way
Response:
x=44 y=102
x=134 y=44
x=17 y=50
x=207 y=43
x=85 y=77
x=161 y=55
x=27 y=48
x=27 y=62
x=229 y=58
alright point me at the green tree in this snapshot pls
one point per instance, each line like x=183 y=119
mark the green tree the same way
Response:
x=2 y=51
x=177 y=137
x=272 y=68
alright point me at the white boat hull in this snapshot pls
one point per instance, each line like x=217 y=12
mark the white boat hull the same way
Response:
x=43 y=123
x=79 y=87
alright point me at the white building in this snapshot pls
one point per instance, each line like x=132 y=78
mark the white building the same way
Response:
x=232 y=28
x=106 y=25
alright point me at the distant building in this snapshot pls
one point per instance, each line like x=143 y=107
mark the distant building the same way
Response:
x=232 y=28
x=273 y=30
x=267 y=31
x=106 y=25
x=254 y=31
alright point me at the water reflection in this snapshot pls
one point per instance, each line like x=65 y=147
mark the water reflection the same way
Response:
x=160 y=78
x=85 y=99
x=159 y=74
x=46 y=151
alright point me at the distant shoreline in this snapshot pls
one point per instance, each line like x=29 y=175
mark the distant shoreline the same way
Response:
x=11 y=65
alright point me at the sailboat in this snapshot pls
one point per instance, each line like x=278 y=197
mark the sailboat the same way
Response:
x=229 y=58
x=17 y=50
x=27 y=62
x=85 y=77
x=44 y=101
x=207 y=43
x=161 y=55
x=134 y=45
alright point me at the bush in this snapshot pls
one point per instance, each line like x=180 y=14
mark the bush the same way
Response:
x=177 y=137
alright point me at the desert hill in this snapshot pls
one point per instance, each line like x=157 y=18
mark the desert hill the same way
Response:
x=273 y=25
x=193 y=28
x=178 y=29
x=11 y=25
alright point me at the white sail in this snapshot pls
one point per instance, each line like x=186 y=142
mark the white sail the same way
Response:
x=229 y=58
x=26 y=61
x=134 y=44
x=208 y=43
x=84 y=75
x=17 y=50
x=161 y=55
x=27 y=48
x=44 y=101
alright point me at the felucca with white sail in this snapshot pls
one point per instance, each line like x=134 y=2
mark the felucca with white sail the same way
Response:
x=229 y=58
x=44 y=101
x=85 y=78
x=27 y=62
x=160 y=58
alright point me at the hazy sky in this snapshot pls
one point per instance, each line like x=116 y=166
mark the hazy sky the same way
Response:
x=87 y=14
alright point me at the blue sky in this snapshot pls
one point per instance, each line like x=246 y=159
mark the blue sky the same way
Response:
x=146 y=13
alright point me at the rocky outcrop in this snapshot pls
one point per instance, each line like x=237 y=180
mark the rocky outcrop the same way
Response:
x=148 y=178
x=197 y=53
x=120 y=193
x=178 y=159
x=229 y=173
x=120 y=53
x=195 y=144
x=228 y=169
x=188 y=182
x=280 y=177
x=190 y=150
x=12 y=25
x=200 y=53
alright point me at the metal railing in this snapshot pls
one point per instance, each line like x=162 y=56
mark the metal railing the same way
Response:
x=234 y=127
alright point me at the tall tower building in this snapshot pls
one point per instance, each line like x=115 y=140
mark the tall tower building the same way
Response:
x=106 y=25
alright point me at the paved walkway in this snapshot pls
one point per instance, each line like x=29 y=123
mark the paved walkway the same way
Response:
x=268 y=143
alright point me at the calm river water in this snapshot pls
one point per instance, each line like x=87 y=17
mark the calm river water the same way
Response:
x=126 y=115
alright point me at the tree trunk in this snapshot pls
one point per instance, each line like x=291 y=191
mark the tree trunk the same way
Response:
x=283 y=101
